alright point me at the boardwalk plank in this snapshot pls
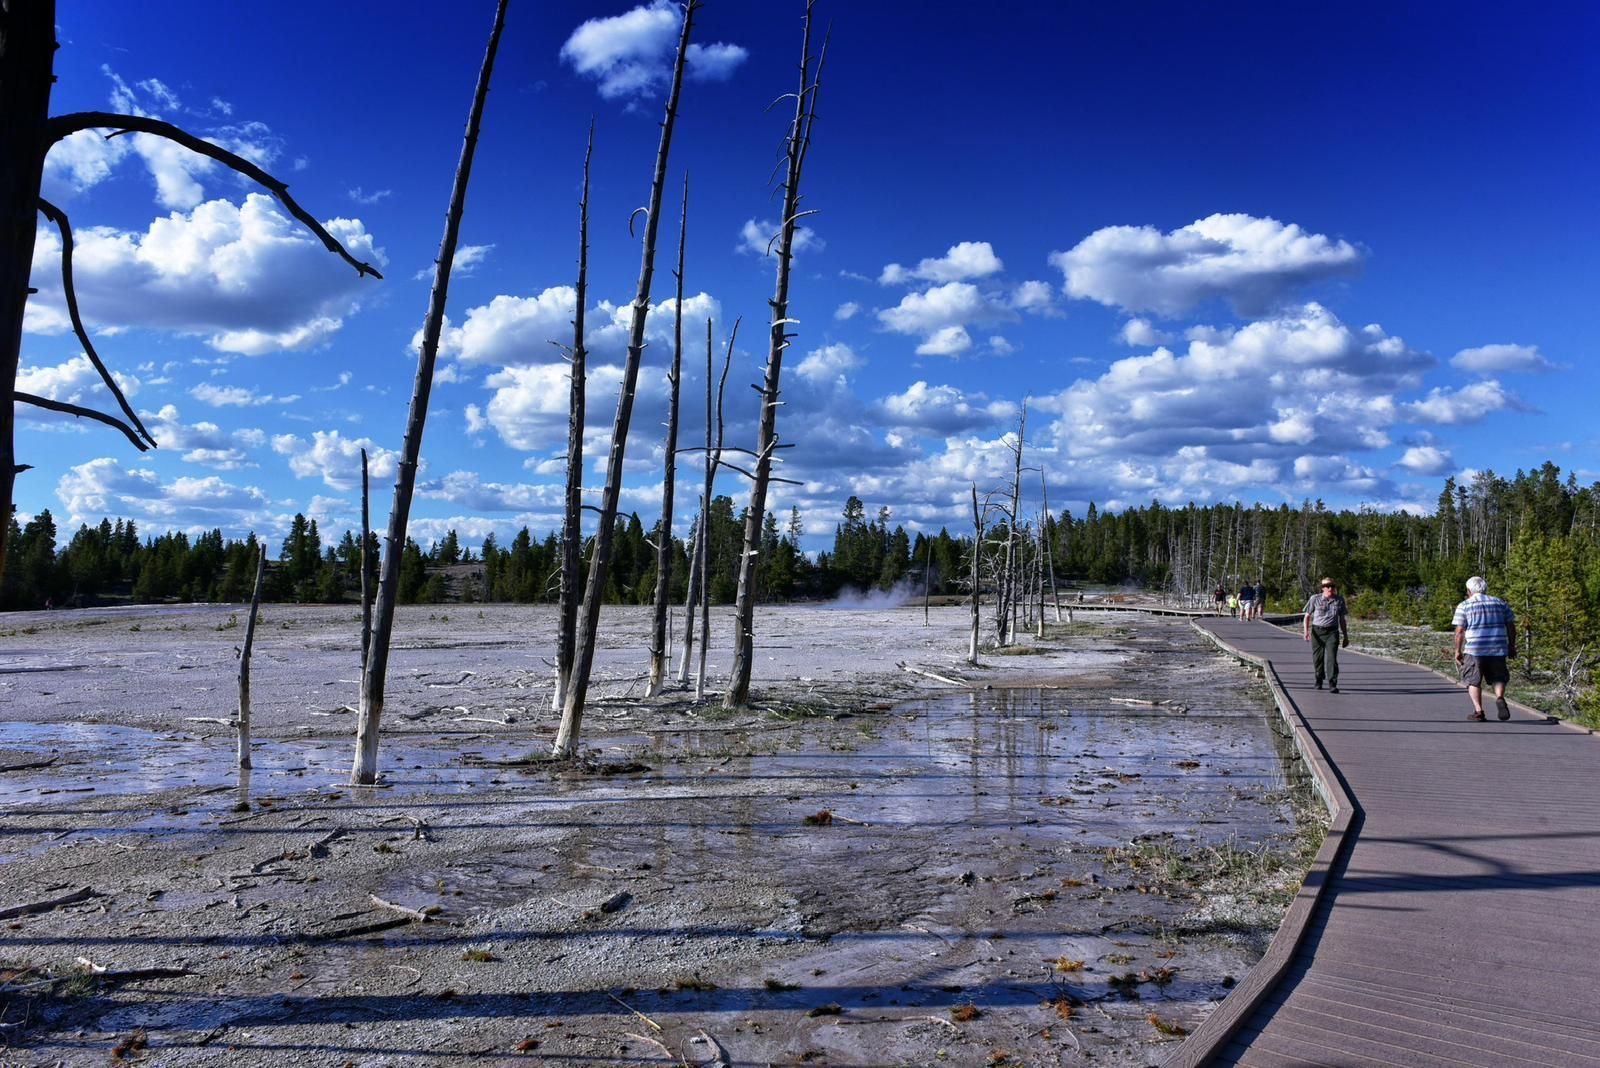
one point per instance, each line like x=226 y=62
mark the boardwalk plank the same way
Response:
x=1457 y=927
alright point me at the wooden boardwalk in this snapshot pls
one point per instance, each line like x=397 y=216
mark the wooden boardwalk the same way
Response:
x=1454 y=916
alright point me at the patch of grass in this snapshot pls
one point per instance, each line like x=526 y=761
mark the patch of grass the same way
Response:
x=481 y=956
x=1167 y=1027
x=802 y=710
x=233 y=622
x=819 y=819
x=963 y=1013
x=1016 y=650
x=135 y=628
x=1067 y=964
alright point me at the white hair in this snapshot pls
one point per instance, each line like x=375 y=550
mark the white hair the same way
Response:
x=1476 y=584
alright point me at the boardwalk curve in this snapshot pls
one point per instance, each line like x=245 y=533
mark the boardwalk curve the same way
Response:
x=1450 y=918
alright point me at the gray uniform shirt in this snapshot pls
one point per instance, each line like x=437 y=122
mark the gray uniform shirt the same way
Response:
x=1325 y=611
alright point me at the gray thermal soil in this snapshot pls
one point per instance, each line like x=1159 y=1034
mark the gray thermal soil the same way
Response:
x=1066 y=855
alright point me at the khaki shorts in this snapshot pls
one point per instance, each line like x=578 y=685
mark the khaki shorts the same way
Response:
x=1484 y=670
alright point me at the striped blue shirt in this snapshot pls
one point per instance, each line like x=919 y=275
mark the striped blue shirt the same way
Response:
x=1485 y=619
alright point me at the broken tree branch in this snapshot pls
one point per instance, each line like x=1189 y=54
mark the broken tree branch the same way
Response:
x=63 y=126
x=70 y=291
x=84 y=413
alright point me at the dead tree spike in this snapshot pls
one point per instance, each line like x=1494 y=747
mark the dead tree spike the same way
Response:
x=566 y=741
x=364 y=770
x=796 y=147
x=364 y=562
x=658 y=631
x=572 y=512
x=243 y=725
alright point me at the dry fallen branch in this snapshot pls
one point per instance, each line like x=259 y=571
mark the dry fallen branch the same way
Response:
x=933 y=675
x=32 y=765
x=319 y=848
x=653 y=1025
x=375 y=927
x=719 y=1056
x=428 y=914
x=100 y=971
x=81 y=894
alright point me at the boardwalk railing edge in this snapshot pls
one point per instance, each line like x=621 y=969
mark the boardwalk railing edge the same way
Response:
x=1226 y=1019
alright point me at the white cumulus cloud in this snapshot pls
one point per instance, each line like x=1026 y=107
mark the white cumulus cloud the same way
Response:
x=335 y=458
x=761 y=238
x=1253 y=263
x=1495 y=359
x=630 y=55
x=968 y=259
x=245 y=277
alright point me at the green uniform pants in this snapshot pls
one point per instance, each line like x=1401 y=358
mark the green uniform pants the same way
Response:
x=1325 y=654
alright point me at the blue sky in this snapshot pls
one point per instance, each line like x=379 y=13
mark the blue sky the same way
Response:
x=1246 y=252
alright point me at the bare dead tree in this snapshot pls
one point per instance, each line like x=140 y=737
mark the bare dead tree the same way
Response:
x=242 y=721
x=977 y=576
x=364 y=563
x=658 y=631
x=27 y=133
x=364 y=770
x=1046 y=532
x=566 y=741
x=699 y=598
x=796 y=147
x=927 y=576
x=572 y=518
x=1008 y=590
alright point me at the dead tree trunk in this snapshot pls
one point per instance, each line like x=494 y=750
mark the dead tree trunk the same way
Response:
x=927 y=576
x=1013 y=545
x=363 y=562
x=572 y=519
x=27 y=58
x=797 y=145
x=977 y=576
x=690 y=602
x=243 y=722
x=713 y=461
x=699 y=556
x=364 y=770
x=658 y=633
x=566 y=742
x=1047 y=531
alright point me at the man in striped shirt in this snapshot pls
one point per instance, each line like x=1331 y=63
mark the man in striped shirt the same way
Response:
x=1486 y=635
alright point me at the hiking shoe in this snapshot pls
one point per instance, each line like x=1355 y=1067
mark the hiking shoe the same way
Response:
x=1333 y=689
x=1476 y=717
x=1503 y=710
x=1319 y=684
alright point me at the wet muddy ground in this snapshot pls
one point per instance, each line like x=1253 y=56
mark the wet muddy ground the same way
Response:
x=1069 y=859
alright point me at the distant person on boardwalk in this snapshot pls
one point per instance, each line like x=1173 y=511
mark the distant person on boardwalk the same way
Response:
x=1326 y=629
x=1247 y=601
x=1261 y=598
x=1219 y=597
x=1486 y=636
